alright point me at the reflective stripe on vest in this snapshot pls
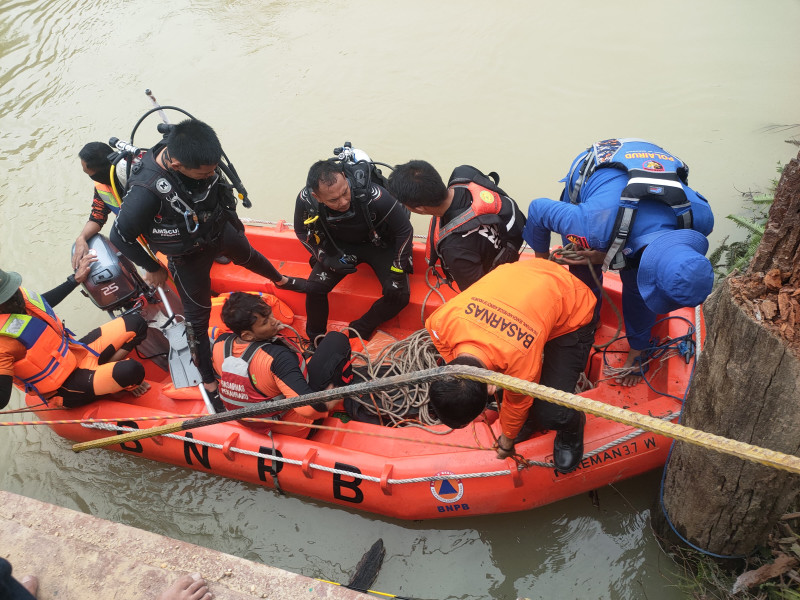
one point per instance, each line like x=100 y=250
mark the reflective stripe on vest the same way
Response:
x=106 y=194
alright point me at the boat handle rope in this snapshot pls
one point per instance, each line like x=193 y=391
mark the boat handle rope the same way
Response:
x=765 y=456
x=522 y=462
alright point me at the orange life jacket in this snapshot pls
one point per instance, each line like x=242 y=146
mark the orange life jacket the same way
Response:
x=48 y=360
x=484 y=202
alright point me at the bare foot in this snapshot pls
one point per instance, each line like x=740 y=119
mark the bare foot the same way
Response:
x=188 y=587
x=141 y=389
x=30 y=583
x=634 y=374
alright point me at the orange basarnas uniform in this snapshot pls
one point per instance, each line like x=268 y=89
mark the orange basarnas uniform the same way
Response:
x=505 y=319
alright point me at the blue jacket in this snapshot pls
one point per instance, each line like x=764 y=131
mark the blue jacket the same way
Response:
x=590 y=223
x=592 y=219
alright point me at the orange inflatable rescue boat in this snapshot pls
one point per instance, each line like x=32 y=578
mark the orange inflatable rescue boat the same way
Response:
x=401 y=472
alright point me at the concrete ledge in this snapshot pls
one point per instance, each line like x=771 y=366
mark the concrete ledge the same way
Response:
x=77 y=556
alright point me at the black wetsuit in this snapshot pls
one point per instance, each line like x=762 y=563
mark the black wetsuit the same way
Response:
x=144 y=212
x=350 y=233
x=469 y=255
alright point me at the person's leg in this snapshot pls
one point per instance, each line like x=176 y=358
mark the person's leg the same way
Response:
x=639 y=321
x=235 y=245
x=320 y=282
x=384 y=308
x=565 y=359
x=329 y=367
x=11 y=589
x=584 y=273
x=87 y=385
x=192 y=274
x=330 y=363
x=115 y=339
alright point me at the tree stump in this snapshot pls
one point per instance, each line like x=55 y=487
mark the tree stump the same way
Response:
x=746 y=387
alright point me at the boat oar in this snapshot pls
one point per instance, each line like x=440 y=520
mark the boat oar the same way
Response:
x=742 y=450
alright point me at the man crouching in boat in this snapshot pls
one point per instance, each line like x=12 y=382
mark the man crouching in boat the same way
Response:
x=255 y=364
x=39 y=353
x=627 y=205
x=531 y=320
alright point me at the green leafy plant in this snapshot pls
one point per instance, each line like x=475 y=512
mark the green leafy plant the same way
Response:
x=735 y=255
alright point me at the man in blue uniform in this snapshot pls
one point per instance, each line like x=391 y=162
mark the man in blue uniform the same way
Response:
x=627 y=205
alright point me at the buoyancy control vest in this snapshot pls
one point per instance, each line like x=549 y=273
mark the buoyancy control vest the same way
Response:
x=363 y=179
x=654 y=174
x=487 y=208
x=48 y=360
x=236 y=386
x=185 y=222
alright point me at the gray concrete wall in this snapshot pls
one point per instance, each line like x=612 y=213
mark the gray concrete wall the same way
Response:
x=78 y=557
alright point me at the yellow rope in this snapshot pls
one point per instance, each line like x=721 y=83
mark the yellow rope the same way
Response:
x=675 y=431
x=764 y=456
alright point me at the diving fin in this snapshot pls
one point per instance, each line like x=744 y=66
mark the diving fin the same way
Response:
x=182 y=369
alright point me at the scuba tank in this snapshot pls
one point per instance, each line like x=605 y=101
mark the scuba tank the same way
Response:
x=361 y=172
x=359 y=167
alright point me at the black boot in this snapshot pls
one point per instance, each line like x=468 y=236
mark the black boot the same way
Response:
x=568 y=446
x=294 y=284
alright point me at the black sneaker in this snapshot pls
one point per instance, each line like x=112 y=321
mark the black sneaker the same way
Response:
x=568 y=447
x=294 y=284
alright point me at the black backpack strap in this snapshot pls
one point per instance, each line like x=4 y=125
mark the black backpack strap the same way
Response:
x=467 y=173
x=227 y=340
x=250 y=351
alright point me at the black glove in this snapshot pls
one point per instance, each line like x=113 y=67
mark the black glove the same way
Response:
x=338 y=263
x=396 y=286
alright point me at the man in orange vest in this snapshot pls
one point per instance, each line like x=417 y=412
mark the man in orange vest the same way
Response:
x=255 y=364
x=38 y=353
x=532 y=320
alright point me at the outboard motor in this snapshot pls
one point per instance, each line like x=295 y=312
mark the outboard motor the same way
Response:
x=115 y=286
x=113 y=282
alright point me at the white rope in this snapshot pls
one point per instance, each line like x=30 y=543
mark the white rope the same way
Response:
x=698 y=334
x=414 y=353
x=283 y=459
